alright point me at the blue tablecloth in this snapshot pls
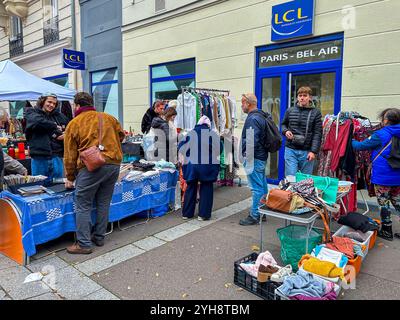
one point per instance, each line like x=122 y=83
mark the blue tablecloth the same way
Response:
x=47 y=217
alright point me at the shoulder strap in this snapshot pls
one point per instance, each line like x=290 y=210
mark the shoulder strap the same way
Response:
x=308 y=122
x=383 y=149
x=100 y=129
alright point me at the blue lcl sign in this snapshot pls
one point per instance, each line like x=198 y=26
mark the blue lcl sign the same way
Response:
x=73 y=59
x=292 y=19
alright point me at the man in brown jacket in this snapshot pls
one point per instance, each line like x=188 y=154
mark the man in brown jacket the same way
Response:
x=96 y=186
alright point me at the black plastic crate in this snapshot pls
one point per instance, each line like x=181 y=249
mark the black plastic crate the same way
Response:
x=264 y=290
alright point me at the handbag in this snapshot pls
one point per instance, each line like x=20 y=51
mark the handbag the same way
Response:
x=92 y=157
x=298 y=139
x=284 y=201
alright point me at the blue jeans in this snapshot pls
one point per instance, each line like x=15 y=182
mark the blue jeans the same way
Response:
x=296 y=160
x=257 y=183
x=52 y=168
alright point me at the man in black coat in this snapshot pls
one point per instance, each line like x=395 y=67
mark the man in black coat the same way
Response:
x=154 y=111
x=302 y=126
x=45 y=127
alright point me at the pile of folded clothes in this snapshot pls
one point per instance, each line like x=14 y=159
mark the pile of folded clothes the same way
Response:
x=360 y=222
x=143 y=165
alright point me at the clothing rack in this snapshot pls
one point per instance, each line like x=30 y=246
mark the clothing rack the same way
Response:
x=188 y=89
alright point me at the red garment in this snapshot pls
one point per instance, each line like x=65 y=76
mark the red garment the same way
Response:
x=343 y=245
x=338 y=146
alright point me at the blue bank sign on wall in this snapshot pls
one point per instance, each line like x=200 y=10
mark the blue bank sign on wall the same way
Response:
x=73 y=59
x=292 y=19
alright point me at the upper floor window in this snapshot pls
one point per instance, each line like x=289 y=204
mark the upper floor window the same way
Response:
x=50 y=25
x=16 y=38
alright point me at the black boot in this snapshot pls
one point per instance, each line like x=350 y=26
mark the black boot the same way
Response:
x=397 y=235
x=386 y=232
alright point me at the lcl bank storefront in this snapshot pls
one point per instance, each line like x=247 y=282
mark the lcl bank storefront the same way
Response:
x=346 y=51
x=284 y=67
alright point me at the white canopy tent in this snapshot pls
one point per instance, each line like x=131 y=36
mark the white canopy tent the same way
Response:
x=18 y=85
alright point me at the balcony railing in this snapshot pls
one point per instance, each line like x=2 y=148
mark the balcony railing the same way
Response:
x=50 y=31
x=16 y=45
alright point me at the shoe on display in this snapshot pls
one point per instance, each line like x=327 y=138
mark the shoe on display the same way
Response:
x=249 y=221
x=282 y=273
x=77 y=249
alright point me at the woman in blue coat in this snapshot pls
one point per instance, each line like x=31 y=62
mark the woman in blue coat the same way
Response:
x=200 y=152
x=384 y=144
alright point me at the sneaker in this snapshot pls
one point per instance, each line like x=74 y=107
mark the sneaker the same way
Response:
x=249 y=221
x=185 y=218
x=202 y=219
x=77 y=249
x=397 y=235
x=283 y=272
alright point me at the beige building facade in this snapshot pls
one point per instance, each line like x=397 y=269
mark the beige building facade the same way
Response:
x=34 y=34
x=225 y=40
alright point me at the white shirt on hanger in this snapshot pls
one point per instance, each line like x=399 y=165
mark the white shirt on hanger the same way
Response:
x=186 y=119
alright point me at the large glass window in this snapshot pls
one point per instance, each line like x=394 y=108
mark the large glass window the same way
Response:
x=105 y=91
x=167 y=79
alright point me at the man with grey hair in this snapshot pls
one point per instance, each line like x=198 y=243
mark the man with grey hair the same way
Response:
x=254 y=153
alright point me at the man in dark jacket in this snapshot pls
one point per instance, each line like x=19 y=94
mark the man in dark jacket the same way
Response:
x=156 y=110
x=45 y=127
x=302 y=126
x=255 y=154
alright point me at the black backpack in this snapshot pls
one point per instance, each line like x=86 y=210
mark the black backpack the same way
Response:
x=272 y=137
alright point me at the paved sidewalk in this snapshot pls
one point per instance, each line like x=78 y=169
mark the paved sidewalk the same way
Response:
x=169 y=258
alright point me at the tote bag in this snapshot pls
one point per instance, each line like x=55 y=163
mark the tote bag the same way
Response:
x=328 y=186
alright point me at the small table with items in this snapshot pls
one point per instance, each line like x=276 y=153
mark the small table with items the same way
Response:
x=29 y=221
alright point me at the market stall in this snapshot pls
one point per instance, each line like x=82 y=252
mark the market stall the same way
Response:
x=33 y=220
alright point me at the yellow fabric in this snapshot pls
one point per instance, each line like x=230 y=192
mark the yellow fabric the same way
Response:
x=322 y=268
x=82 y=133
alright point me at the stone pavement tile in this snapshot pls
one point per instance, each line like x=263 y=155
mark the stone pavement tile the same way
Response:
x=12 y=281
x=2 y=294
x=223 y=213
x=196 y=266
x=149 y=243
x=108 y=260
x=118 y=239
x=372 y=288
x=47 y=264
x=6 y=262
x=102 y=294
x=47 y=296
x=69 y=283
x=383 y=263
x=176 y=232
x=202 y=224
x=239 y=193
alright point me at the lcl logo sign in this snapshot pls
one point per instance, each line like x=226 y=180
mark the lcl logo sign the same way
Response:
x=292 y=19
x=73 y=59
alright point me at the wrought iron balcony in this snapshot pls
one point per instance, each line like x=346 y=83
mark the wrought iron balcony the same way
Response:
x=16 y=45
x=50 y=31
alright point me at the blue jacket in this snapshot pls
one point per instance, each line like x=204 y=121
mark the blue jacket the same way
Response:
x=256 y=121
x=382 y=173
x=194 y=168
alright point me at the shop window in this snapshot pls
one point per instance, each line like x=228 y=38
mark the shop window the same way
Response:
x=168 y=79
x=105 y=91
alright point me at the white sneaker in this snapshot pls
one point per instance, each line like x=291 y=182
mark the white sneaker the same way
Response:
x=283 y=272
x=201 y=219
x=185 y=218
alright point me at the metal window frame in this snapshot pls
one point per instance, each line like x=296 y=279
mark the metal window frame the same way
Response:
x=170 y=78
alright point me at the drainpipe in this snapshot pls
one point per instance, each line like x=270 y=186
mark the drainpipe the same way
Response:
x=73 y=23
